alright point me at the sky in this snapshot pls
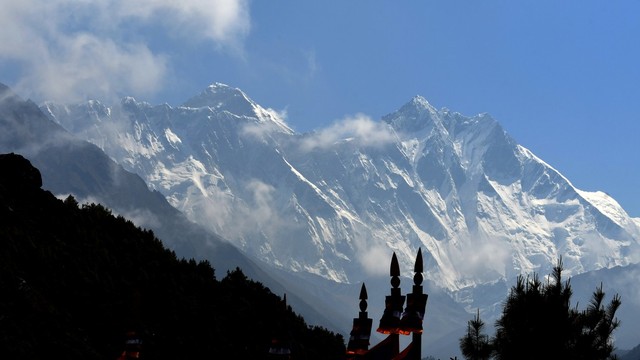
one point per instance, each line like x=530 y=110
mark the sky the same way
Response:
x=561 y=77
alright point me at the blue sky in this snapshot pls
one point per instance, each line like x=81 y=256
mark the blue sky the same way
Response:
x=562 y=77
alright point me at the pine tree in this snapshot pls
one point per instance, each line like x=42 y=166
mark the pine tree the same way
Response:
x=538 y=322
x=595 y=327
x=475 y=345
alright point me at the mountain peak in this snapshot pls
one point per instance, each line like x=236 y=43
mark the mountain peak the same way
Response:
x=222 y=86
x=223 y=97
x=420 y=102
x=413 y=116
x=217 y=89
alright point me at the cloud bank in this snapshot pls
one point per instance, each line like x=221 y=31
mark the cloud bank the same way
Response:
x=360 y=128
x=68 y=50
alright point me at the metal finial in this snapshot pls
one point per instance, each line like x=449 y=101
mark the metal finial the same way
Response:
x=416 y=302
x=390 y=321
x=418 y=266
x=363 y=300
x=395 y=268
x=361 y=330
x=363 y=292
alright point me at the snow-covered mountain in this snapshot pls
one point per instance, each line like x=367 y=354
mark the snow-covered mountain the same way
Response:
x=69 y=165
x=337 y=201
x=73 y=166
x=341 y=197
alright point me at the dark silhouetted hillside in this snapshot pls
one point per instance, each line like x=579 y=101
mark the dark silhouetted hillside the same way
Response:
x=75 y=279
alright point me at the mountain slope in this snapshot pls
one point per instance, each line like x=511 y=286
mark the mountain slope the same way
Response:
x=333 y=202
x=73 y=166
x=74 y=280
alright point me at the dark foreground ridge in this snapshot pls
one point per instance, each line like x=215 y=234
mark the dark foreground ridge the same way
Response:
x=76 y=279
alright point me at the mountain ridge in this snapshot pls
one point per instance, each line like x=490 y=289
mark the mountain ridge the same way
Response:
x=222 y=97
x=70 y=165
x=334 y=203
x=433 y=178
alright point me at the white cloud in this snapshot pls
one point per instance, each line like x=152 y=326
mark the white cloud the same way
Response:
x=359 y=128
x=374 y=259
x=484 y=259
x=90 y=66
x=235 y=219
x=226 y=22
x=73 y=49
x=260 y=130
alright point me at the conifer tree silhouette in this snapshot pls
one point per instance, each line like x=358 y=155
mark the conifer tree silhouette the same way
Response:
x=475 y=344
x=538 y=322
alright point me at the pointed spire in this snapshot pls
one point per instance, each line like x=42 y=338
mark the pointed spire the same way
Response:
x=416 y=302
x=394 y=272
x=418 y=269
x=363 y=299
x=361 y=330
x=390 y=321
x=418 y=266
x=363 y=292
x=394 y=268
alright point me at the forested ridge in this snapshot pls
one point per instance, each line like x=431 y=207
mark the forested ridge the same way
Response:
x=75 y=278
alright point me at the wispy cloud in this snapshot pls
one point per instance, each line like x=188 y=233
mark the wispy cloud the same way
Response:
x=225 y=22
x=359 y=128
x=260 y=215
x=484 y=259
x=86 y=65
x=259 y=130
x=372 y=257
x=312 y=63
x=72 y=49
